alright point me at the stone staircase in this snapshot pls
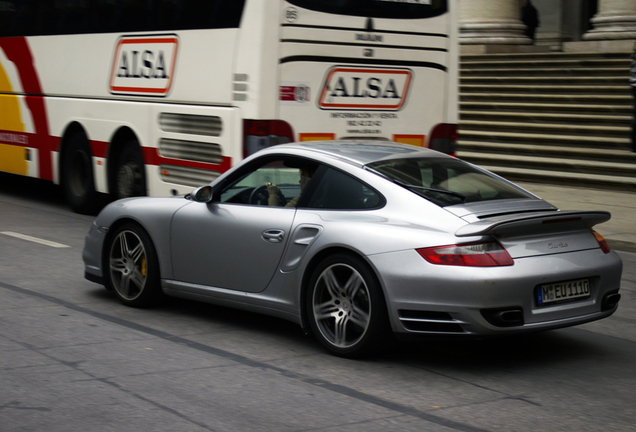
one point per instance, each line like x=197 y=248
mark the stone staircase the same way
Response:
x=559 y=118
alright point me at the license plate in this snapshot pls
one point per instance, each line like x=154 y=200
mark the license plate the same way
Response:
x=555 y=292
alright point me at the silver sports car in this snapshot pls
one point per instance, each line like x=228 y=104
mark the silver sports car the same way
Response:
x=357 y=241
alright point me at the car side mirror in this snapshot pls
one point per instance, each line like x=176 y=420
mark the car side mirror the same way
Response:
x=203 y=194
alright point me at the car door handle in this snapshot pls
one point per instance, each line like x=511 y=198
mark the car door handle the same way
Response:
x=273 y=235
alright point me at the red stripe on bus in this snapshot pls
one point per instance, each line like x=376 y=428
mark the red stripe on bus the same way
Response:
x=17 y=50
x=152 y=157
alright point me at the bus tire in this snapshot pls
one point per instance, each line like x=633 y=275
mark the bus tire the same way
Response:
x=78 y=182
x=130 y=172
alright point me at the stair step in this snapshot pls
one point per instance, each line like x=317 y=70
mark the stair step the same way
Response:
x=508 y=62
x=572 y=179
x=595 y=109
x=579 y=99
x=562 y=129
x=526 y=138
x=545 y=118
x=620 y=81
x=546 y=72
x=542 y=162
x=551 y=89
x=479 y=58
x=594 y=154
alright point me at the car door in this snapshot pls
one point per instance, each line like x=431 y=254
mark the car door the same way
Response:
x=236 y=242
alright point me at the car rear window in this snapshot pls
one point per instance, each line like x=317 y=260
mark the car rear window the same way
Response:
x=446 y=181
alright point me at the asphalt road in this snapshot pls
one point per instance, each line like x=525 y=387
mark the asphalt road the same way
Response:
x=72 y=358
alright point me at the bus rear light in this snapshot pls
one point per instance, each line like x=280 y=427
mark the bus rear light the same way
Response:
x=260 y=134
x=443 y=138
x=481 y=254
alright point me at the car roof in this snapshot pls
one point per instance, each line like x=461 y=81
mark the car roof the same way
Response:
x=362 y=152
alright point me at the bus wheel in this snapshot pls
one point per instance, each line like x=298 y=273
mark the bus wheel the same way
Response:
x=77 y=175
x=130 y=174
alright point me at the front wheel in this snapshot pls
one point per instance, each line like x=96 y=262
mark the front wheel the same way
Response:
x=346 y=307
x=132 y=267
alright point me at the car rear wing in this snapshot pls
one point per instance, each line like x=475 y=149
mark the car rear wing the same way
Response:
x=534 y=223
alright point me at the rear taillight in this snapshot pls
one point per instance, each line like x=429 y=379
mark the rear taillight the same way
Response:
x=443 y=138
x=481 y=254
x=601 y=242
x=260 y=134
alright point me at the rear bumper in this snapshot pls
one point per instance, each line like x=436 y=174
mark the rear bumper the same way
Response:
x=425 y=299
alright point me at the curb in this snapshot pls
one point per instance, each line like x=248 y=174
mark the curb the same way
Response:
x=620 y=245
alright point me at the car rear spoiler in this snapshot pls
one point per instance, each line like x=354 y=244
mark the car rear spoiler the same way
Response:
x=534 y=222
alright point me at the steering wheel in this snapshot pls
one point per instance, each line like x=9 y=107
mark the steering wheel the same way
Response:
x=260 y=196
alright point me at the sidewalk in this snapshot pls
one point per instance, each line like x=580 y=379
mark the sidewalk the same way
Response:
x=619 y=231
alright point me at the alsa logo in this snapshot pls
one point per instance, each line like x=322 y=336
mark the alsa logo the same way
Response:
x=144 y=65
x=350 y=88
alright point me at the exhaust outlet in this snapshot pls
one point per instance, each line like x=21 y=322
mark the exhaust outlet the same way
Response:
x=610 y=301
x=508 y=317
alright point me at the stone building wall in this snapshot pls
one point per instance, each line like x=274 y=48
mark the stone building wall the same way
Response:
x=566 y=25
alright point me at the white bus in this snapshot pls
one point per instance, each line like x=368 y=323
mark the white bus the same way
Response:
x=136 y=97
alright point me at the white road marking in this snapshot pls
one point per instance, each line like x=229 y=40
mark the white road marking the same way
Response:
x=34 y=239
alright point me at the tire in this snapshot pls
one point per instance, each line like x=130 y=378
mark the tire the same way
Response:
x=78 y=181
x=130 y=172
x=131 y=267
x=346 y=307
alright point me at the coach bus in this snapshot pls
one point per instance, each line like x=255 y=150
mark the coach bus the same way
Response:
x=153 y=97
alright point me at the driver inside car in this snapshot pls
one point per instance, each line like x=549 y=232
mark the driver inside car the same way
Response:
x=306 y=172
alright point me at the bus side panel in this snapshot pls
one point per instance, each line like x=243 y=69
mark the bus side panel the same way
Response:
x=93 y=66
x=193 y=145
x=166 y=133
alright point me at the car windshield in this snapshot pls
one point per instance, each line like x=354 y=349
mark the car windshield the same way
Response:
x=444 y=181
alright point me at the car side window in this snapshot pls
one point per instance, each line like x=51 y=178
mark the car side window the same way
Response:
x=274 y=182
x=335 y=190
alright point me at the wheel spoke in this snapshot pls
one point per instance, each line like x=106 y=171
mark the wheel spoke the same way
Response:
x=340 y=331
x=353 y=285
x=117 y=265
x=138 y=279
x=359 y=317
x=137 y=252
x=331 y=283
x=325 y=310
x=124 y=285
x=123 y=244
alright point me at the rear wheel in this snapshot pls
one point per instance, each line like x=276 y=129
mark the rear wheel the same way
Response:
x=77 y=175
x=346 y=307
x=132 y=267
x=130 y=172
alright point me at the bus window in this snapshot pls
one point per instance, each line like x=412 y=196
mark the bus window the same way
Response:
x=377 y=8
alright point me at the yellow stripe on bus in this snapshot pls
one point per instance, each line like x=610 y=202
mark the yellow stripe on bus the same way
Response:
x=13 y=159
x=9 y=106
